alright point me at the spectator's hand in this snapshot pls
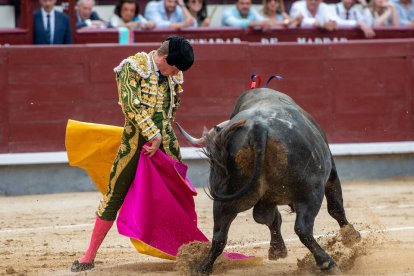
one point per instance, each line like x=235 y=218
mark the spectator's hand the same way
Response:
x=133 y=24
x=155 y=145
x=149 y=25
x=206 y=22
x=264 y=25
x=188 y=22
x=98 y=24
x=368 y=31
x=286 y=22
x=330 y=25
x=297 y=21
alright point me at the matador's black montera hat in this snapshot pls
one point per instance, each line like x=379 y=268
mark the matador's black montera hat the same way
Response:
x=180 y=53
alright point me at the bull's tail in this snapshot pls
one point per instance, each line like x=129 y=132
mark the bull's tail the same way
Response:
x=258 y=139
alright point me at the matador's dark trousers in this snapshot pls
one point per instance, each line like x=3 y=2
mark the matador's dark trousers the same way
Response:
x=125 y=164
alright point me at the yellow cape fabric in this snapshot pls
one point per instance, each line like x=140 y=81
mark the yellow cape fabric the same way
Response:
x=93 y=147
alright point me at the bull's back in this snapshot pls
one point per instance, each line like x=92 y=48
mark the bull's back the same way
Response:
x=296 y=151
x=286 y=120
x=260 y=97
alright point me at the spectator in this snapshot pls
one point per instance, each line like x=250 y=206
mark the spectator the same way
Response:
x=16 y=5
x=168 y=14
x=86 y=17
x=385 y=14
x=314 y=14
x=350 y=11
x=51 y=26
x=126 y=14
x=242 y=15
x=274 y=12
x=198 y=10
x=319 y=15
x=405 y=10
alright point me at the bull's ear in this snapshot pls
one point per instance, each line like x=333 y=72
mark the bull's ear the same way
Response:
x=205 y=131
x=238 y=124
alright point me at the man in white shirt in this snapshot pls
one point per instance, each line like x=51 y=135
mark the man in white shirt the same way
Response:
x=319 y=15
x=351 y=11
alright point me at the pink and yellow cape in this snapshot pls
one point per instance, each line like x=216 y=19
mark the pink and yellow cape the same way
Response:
x=158 y=213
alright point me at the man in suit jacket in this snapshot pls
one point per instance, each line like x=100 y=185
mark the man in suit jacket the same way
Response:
x=51 y=26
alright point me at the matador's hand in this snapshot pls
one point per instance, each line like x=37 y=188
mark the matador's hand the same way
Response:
x=155 y=144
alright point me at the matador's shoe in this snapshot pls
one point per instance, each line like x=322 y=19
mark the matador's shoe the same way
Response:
x=78 y=267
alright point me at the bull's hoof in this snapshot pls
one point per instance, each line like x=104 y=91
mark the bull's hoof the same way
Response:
x=275 y=254
x=200 y=271
x=330 y=268
x=350 y=236
x=78 y=267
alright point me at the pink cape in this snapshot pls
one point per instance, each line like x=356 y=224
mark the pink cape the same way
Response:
x=159 y=208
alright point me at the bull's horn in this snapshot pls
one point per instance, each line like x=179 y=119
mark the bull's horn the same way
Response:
x=201 y=142
x=197 y=142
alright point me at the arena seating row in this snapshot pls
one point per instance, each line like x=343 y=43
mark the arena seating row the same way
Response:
x=105 y=9
x=18 y=36
x=23 y=35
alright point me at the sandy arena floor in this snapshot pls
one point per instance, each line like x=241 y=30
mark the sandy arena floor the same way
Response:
x=43 y=234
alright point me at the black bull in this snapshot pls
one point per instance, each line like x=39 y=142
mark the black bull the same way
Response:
x=271 y=153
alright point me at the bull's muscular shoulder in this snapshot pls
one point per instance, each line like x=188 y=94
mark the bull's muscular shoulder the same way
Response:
x=139 y=62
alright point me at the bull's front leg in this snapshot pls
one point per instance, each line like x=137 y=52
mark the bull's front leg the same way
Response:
x=223 y=217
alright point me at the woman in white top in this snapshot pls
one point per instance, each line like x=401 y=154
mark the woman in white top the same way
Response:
x=384 y=13
x=126 y=14
x=198 y=10
x=274 y=12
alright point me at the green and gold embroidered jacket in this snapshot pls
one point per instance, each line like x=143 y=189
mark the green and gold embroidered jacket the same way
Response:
x=140 y=95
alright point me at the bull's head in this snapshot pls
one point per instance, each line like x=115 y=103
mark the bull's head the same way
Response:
x=200 y=142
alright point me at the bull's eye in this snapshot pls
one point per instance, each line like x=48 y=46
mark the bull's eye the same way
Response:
x=217 y=128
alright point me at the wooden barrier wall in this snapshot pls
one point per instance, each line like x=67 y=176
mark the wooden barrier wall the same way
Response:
x=357 y=91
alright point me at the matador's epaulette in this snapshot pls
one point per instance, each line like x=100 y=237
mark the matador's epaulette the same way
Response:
x=139 y=62
x=179 y=78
